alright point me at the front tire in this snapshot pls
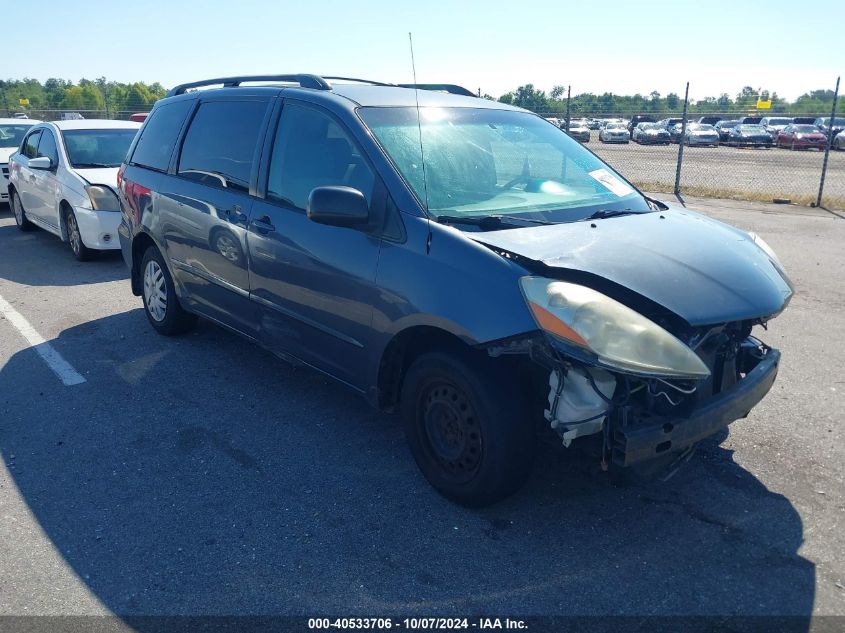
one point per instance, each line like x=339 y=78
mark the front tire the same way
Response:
x=467 y=430
x=20 y=215
x=74 y=238
x=161 y=304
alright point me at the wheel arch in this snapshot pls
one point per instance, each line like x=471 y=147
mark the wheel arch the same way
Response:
x=140 y=244
x=404 y=348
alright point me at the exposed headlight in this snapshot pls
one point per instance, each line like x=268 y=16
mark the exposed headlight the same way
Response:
x=759 y=241
x=103 y=198
x=617 y=335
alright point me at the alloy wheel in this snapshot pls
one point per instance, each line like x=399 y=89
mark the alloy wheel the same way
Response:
x=73 y=234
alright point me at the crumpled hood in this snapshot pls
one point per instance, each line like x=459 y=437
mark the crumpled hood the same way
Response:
x=704 y=271
x=100 y=176
x=5 y=152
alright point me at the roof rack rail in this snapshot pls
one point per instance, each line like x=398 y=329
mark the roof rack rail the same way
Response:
x=360 y=81
x=304 y=80
x=450 y=88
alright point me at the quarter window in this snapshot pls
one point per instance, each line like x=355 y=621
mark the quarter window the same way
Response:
x=220 y=144
x=310 y=151
x=158 y=135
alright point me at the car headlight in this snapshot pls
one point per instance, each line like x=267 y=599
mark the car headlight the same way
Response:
x=615 y=334
x=103 y=198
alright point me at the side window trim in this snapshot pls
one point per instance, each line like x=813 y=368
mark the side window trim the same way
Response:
x=266 y=122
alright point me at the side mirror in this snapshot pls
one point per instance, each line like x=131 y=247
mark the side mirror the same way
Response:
x=338 y=206
x=42 y=162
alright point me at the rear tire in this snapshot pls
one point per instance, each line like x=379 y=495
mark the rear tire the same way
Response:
x=74 y=238
x=161 y=304
x=467 y=430
x=20 y=215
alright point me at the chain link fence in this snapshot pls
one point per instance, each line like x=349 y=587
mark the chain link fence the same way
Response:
x=781 y=157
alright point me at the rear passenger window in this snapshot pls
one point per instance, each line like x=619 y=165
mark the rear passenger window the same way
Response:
x=158 y=137
x=220 y=144
x=30 y=145
x=310 y=151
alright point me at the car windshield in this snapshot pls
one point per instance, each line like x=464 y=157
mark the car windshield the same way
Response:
x=783 y=121
x=616 y=126
x=728 y=123
x=836 y=121
x=701 y=127
x=805 y=129
x=751 y=128
x=650 y=126
x=482 y=162
x=97 y=148
x=11 y=134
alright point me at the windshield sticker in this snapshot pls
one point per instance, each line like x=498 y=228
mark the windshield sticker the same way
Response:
x=611 y=182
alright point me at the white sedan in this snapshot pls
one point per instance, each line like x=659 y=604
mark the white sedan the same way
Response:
x=63 y=180
x=12 y=132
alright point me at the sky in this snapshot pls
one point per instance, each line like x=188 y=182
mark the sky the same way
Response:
x=613 y=46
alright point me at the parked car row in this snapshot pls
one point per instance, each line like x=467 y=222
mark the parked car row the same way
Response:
x=477 y=288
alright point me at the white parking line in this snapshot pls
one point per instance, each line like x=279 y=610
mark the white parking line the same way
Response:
x=63 y=369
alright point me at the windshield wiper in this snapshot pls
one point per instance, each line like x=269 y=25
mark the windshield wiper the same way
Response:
x=488 y=221
x=610 y=213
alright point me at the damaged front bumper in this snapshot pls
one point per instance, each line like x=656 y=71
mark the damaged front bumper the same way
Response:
x=643 y=419
x=634 y=441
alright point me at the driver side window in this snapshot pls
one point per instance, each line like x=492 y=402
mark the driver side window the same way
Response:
x=47 y=147
x=30 y=145
x=311 y=150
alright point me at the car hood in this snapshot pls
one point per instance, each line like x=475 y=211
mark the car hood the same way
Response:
x=5 y=152
x=702 y=270
x=100 y=176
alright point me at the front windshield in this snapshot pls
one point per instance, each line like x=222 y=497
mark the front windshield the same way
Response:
x=616 y=126
x=650 y=126
x=805 y=129
x=702 y=127
x=97 y=148
x=11 y=134
x=481 y=162
x=728 y=123
x=780 y=121
x=752 y=128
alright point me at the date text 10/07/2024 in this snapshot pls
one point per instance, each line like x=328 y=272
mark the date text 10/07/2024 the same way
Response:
x=417 y=624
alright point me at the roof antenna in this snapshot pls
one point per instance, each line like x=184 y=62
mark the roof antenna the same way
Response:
x=422 y=154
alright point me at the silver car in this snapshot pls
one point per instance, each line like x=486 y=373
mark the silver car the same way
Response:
x=614 y=133
x=701 y=134
x=579 y=131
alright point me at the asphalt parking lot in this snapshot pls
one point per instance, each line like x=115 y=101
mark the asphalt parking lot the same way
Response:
x=723 y=171
x=200 y=475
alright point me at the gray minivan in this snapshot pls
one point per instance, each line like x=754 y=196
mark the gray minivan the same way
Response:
x=460 y=261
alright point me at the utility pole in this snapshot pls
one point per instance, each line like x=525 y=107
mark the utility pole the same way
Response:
x=829 y=143
x=681 y=144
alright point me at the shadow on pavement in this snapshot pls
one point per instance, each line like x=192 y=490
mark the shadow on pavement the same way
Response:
x=38 y=258
x=199 y=475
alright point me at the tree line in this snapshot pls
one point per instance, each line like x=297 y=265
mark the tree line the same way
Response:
x=554 y=103
x=115 y=97
x=62 y=94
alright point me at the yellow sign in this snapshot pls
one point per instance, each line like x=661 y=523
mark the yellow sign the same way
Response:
x=23 y=101
x=764 y=105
